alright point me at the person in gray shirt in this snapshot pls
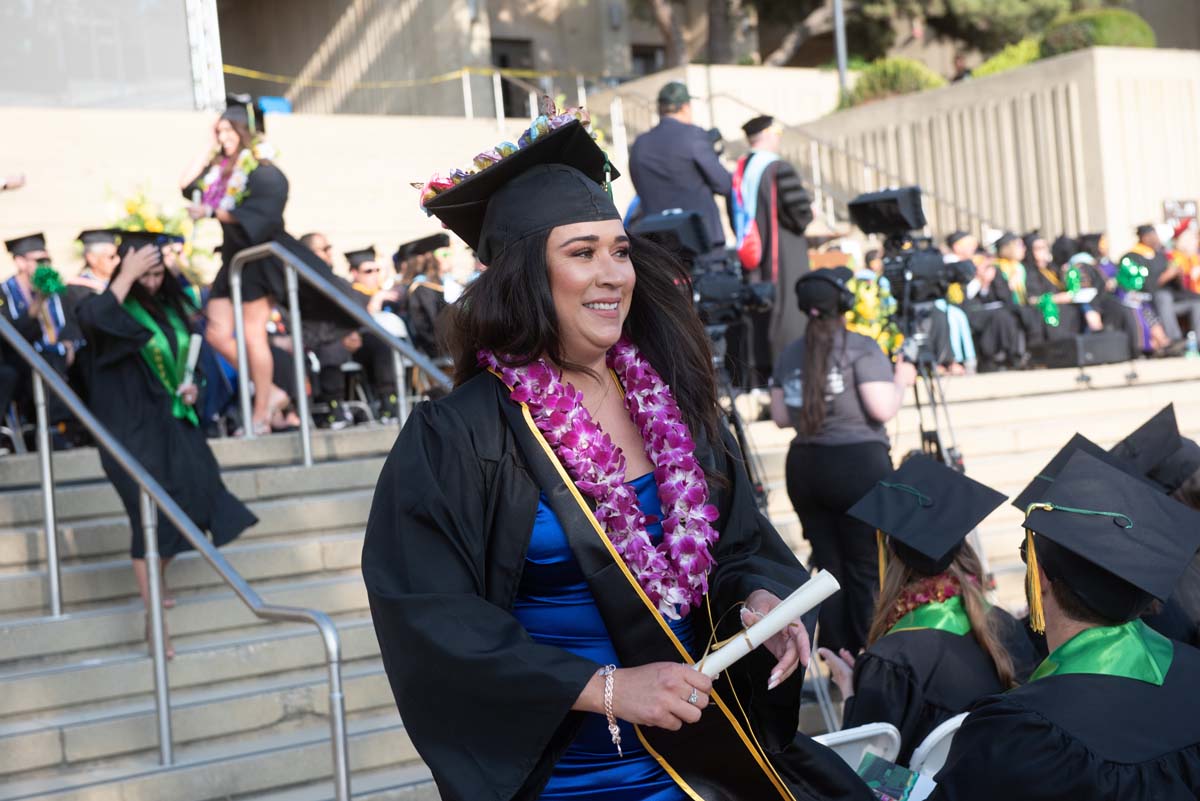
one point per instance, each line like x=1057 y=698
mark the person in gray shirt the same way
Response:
x=837 y=388
x=674 y=165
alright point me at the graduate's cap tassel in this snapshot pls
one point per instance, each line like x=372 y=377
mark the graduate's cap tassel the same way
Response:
x=882 y=557
x=1033 y=586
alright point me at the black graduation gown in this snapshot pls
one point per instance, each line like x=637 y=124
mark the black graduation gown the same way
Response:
x=783 y=262
x=425 y=303
x=487 y=707
x=132 y=403
x=996 y=323
x=917 y=680
x=1082 y=736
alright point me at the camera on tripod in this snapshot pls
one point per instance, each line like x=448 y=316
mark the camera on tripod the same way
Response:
x=718 y=291
x=913 y=266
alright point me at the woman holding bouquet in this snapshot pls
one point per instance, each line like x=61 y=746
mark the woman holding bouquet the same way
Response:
x=553 y=542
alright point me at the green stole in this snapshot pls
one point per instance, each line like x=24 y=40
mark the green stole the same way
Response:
x=164 y=363
x=946 y=615
x=1132 y=651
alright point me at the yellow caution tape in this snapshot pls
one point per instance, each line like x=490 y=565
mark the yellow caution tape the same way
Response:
x=295 y=80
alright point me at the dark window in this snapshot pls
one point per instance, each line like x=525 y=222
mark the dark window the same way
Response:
x=514 y=54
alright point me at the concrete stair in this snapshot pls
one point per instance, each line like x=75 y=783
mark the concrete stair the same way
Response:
x=249 y=699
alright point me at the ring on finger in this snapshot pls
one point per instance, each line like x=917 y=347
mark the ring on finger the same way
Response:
x=694 y=698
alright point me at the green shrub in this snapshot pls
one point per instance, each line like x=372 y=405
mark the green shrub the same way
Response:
x=1018 y=54
x=891 y=76
x=1100 y=27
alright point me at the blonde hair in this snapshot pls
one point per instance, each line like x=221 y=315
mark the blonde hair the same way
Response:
x=967 y=570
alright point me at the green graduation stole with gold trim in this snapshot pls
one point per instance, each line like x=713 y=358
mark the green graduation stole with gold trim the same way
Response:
x=1132 y=651
x=168 y=365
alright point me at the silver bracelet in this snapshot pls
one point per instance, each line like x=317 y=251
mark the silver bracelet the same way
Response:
x=613 y=729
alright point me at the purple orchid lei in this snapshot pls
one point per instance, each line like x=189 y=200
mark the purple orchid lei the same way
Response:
x=674 y=574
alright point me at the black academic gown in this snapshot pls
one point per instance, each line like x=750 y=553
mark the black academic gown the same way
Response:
x=426 y=300
x=784 y=211
x=487 y=707
x=919 y=679
x=133 y=405
x=1082 y=736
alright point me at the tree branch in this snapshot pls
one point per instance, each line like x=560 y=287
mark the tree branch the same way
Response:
x=664 y=17
x=818 y=22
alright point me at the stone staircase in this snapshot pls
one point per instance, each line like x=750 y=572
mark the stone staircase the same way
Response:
x=249 y=699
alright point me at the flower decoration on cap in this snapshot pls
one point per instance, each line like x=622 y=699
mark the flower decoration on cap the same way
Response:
x=549 y=120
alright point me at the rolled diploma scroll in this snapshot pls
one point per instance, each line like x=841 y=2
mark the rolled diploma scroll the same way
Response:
x=189 y=373
x=807 y=597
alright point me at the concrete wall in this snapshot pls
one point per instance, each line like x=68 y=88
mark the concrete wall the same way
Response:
x=349 y=174
x=1091 y=140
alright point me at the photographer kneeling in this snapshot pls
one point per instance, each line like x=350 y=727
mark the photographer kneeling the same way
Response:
x=837 y=389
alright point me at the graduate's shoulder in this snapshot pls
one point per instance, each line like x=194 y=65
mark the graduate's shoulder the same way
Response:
x=471 y=412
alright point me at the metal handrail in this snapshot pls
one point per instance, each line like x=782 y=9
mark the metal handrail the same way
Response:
x=154 y=497
x=293 y=265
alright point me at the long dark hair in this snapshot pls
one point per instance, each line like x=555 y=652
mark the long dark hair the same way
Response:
x=1090 y=244
x=170 y=295
x=820 y=337
x=509 y=310
x=967 y=570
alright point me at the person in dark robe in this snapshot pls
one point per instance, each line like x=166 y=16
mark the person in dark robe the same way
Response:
x=427 y=299
x=138 y=332
x=505 y=614
x=1047 y=291
x=384 y=304
x=1112 y=714
x=99 y=261
x=768 y=194
x=1172 y=299
x=936 y=645
x=837 y=389
x=995 y=317
x=44 y=319
x=1159 y=453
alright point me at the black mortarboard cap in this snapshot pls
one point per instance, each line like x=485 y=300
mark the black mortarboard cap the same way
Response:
x=558 y=179
x=955 y=238
x=426 y=244
x=1174 y=471
x=357 y=257
x=98 y=236
x=1005 y=238
x=1046 y=476
x=1116 y=543
x=758 y=124
x=245 y=109
x=136 y=240
x=26 y=244
x=1153 y=441
x=927 y=509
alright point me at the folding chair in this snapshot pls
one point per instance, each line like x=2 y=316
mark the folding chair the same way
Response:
x=882 y=739
x=931 y=753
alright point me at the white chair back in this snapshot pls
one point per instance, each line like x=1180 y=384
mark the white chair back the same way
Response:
x=883 y=739
x=932 y=752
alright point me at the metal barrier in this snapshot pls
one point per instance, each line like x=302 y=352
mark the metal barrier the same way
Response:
x=154 y=497
x=293 y=266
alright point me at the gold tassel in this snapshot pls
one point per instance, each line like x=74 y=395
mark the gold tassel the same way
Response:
x=1033 y=586
x=882 y=557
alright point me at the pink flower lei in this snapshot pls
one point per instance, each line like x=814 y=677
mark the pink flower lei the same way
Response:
x=674 y=574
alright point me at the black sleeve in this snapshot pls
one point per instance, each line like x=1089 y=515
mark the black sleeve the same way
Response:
x=112 y=334
x=884 y=692
x=480 y=698
x=261 y=211
x=795 y=205
x=192 y=186
x=719 y=179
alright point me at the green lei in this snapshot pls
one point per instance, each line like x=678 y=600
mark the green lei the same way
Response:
x=946 y=615
x=166 y=365
x=1132 y=651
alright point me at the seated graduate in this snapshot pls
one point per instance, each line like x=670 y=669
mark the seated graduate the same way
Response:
x=994 y=316
x=552 y=543
x=431 y=291
x=936 y=645
x=99 y=260
x=1171 y=461
x=1113 y=712
x=139 y=332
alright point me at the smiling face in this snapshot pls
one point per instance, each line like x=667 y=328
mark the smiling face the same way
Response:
x=591 y=282
x=227 y=138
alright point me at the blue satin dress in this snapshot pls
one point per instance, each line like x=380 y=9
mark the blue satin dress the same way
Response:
x=556 y=606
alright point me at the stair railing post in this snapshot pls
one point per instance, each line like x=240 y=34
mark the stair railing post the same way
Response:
x=158 y=649
x=243 y=365
x=337 y=730
x=300 y=365
x=468 y=105
x=498 y=99
x=49 y=518
x=401 y=386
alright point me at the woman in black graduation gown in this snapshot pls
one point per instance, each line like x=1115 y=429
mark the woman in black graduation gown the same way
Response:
x=936 y=645
x=242 y=188
x=138 y=333
x=502 y=605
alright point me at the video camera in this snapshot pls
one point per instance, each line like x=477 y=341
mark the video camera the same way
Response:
x=913 y=266
x=718 y=291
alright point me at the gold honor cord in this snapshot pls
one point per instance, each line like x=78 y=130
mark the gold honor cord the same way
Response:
x=755 y=751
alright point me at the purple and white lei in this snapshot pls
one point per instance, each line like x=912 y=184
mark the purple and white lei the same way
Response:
x=674 y=573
